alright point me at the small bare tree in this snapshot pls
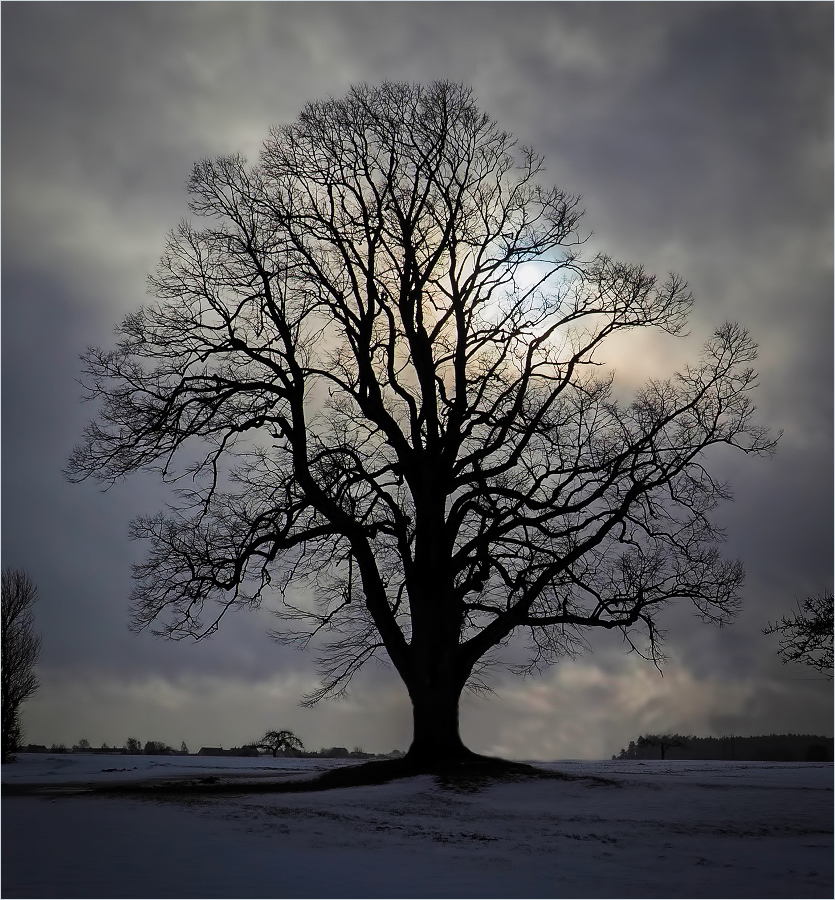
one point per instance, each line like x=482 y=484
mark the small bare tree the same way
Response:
x=389 y=344
x=20 y=650
x=806 y=634
x=280 y=742
x=663 y=741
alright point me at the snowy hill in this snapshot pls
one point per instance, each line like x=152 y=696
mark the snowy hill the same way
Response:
x=617 y=828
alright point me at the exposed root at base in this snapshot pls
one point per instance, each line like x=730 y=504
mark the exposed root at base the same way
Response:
x=467 y=774
x=472 y=769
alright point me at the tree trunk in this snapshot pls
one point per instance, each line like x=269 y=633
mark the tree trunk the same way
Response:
x=436 y=738
x=435 y=678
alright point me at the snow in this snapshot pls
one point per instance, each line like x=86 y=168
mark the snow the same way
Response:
x=72 y=768
x=613 y=829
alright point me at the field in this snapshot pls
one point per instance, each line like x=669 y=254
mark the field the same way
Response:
x=608 y=829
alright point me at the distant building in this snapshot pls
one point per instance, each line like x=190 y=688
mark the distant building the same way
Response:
x=249 y=750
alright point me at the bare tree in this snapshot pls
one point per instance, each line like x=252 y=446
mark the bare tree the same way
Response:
x=388 y=342
x=663 y=741
x=280 y=742
x=20 y=650
x=806 y=634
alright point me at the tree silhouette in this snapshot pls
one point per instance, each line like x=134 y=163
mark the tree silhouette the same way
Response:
x=806 y=635
x=663 y=741
x=388 y=343
x=20 y=650
x=280 y=742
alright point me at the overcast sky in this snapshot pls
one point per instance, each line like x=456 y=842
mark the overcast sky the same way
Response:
x=700 y=136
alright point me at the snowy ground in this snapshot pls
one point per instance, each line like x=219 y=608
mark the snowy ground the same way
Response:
x=674 y=829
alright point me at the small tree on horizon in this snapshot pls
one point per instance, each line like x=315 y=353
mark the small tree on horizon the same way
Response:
x=663 y=741
x=280 y=742
x=387 y=339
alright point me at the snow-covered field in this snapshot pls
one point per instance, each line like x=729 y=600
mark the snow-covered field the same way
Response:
x=653 y=829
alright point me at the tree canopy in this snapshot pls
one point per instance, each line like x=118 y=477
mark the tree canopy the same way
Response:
x=376 y=367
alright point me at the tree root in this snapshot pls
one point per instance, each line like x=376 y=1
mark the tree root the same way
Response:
x=465 y=774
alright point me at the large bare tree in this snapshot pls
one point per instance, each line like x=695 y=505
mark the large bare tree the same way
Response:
x=387 y=340
x=20 y=650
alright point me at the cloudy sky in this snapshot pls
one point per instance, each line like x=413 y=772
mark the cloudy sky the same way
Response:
x=700 y=136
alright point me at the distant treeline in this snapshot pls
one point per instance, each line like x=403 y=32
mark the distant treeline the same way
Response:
x=766 y=747
x=158 y=748
x=324 y=753
x=132 y=747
